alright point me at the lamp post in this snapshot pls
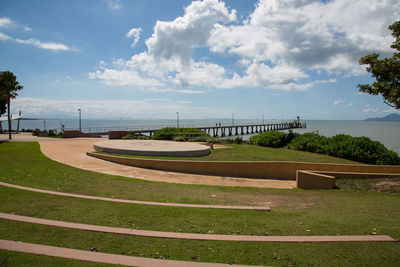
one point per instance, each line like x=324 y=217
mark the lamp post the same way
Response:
x=233 y=121
x=80 y=121
x=177 y=119
x=263 y=119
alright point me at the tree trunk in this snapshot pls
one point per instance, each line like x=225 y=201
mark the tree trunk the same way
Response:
x=9 y=118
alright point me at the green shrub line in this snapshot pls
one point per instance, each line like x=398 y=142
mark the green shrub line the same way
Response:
x=182 y=134
x=361 y=149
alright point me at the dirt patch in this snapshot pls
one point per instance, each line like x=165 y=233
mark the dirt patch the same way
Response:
x=378 y=185
x=387 y=186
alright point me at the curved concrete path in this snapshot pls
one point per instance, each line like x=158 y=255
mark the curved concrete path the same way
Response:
x=100 y=257
x=193 y=236
x=135 y=201
x=73 y=152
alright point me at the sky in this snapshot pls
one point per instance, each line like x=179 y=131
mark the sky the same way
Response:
x=142 y=59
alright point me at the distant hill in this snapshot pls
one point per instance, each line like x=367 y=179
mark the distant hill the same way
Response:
x=390 y=117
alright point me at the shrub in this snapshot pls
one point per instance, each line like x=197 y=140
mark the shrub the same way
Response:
x=36 y=132
x=269 y=139
x=311 y=142
x=361 y=149
x=181 y=134
x=229 y=141
x=52 y=132
x=238 y=140
x=133 y=136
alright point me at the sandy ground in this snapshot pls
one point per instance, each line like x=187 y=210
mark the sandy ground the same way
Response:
x=73 y=152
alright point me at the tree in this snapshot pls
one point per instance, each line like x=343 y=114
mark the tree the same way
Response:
x=8 y=90
x=386 y=72
x=3 y=109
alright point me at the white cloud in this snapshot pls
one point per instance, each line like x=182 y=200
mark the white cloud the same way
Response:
x=4 y=37
x=27 y=29
x=311 y=34
x=5 y=22
x=370 y=110
x=45 y=45
x=338 y=102
x=191 y=91
x=178 y=38
x=114 y=4
x=350 y=104
x=276 y=47
x=109 y=109
x=123 y=78
x=135 y=33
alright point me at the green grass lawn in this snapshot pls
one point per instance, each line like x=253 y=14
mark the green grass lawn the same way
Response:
x=294 y=212
x=246 y=152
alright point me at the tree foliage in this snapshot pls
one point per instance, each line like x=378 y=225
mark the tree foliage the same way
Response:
x=8 y=90
x=386 y=72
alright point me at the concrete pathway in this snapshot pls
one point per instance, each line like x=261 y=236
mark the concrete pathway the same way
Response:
x=76 y=254
x=193 y=236
x=73 y=152
x=135 y=201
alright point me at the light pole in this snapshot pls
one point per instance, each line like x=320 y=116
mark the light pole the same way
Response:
x=233 y=121
x=263 y=119
x=177 y=119
x=80 y=121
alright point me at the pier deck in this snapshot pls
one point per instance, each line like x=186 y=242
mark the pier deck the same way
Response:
x=215 y=131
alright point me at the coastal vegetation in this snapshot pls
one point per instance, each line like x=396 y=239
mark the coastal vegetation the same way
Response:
x=294 y=212
x=386 y=72
x=360 y=149
x=181 y=134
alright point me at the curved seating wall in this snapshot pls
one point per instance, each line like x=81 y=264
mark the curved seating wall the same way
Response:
x=285 y=170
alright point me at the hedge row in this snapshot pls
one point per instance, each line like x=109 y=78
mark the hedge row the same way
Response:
x=181 y=134
x=361 y=149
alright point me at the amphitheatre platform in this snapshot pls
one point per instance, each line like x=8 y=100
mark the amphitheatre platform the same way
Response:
x=152 y=148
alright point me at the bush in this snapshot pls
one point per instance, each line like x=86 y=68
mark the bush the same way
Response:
x=52 y=132
x=269 y=139
x=238 y=140
x=133 y=136
x=181 y=134
x=361 y=149
x=311 y=142
x=36 y=132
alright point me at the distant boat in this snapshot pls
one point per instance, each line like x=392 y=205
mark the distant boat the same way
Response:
x=390 y=117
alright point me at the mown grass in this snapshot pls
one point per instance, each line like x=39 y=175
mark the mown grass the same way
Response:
x=253 y=253
x=294 y=212
x=12 y=258
x=246 y=152
x=349 y=215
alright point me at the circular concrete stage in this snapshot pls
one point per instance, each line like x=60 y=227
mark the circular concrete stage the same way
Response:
x=152 y=148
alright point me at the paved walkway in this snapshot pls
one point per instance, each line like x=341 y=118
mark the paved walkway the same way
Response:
x=193 y=236
x=73 y=152
x=99 y=256
x=135 y=201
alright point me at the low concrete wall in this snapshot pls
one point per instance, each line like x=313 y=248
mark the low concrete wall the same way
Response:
x=314 y=180
x=74 y=134
x=285 y=170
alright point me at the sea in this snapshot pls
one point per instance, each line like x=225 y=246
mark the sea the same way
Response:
x=386 y=132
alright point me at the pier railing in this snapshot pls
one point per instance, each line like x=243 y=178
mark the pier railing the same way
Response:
x=215 y=131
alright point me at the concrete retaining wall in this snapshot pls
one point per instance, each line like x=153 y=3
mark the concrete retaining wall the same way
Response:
x=285 y=170
x=74 y=134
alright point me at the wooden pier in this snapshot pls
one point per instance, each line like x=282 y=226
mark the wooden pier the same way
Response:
x=215 y=131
